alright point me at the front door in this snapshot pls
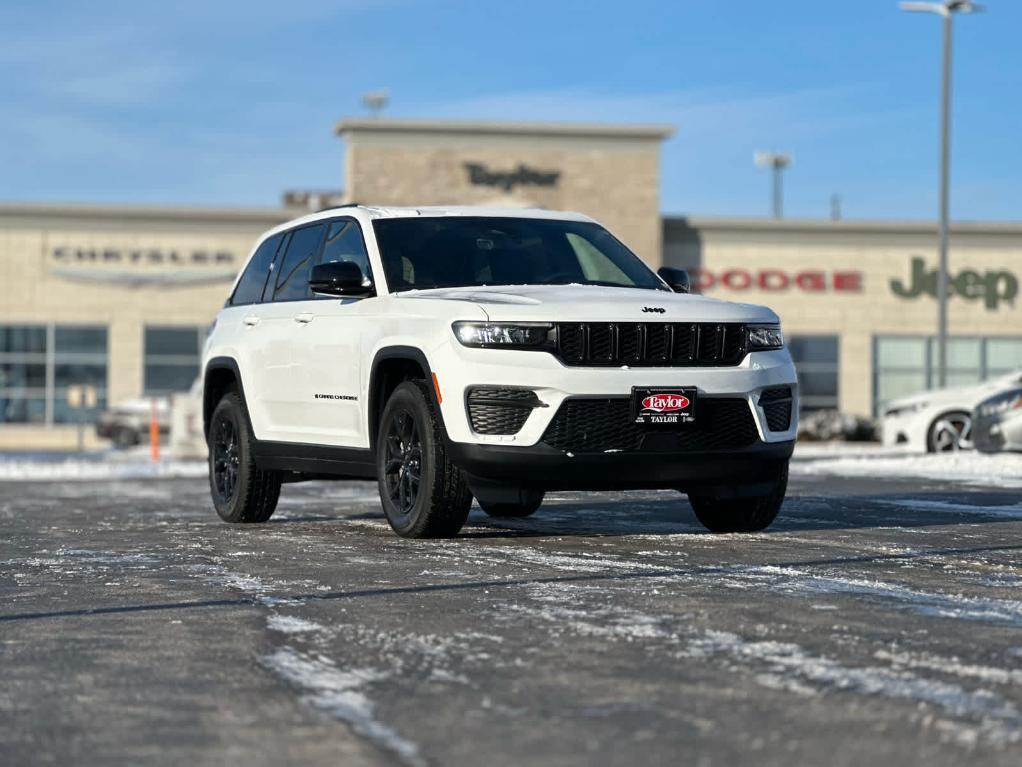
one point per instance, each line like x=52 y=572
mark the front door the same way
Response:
x=327 y=353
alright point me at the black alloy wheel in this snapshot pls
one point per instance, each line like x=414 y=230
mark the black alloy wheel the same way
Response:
x=241 y=491
x=422 y=493
x=225 y=458
x=403 y=462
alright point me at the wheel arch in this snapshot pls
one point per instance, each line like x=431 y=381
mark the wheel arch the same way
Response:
x=221 y=375
x=391 y=365
x=938 y=417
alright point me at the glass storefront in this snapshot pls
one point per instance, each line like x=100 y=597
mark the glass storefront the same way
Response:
x=41 y=365
x=172 y=356
x=816 y=360
x=904 y=365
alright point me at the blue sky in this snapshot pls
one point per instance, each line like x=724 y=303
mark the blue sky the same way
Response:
x=229 y=103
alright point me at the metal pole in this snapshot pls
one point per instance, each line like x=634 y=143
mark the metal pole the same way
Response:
x=778 y=191
x=945 y=162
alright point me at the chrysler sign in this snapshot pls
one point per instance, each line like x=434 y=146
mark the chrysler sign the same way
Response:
x=143 y=266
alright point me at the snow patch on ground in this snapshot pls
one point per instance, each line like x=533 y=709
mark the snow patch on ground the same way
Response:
x=582 y=562
x=252 y=585
x=291 y=624
x=988 y=717
x=1002 y=470
x=1005 y=512
x=41 y=469
x=952 y=667
x=584 y=610
x=933 y=604
x=342 y=694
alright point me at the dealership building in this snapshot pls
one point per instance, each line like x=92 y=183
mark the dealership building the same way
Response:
x=101 y=304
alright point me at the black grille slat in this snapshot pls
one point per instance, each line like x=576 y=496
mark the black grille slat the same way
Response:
x=601 y=342
x=590 y=425
x=708 y=345
x=734 y=341
x=658 y=343
x=629 y=347
x=571 y=342
x=683 y=346
x=651 y=344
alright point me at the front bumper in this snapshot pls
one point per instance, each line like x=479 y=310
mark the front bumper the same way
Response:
x=742 y=471
x=997 y=433
x=461 y=368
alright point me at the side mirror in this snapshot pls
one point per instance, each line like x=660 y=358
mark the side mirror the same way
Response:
x=677 y=279
x=338 y=278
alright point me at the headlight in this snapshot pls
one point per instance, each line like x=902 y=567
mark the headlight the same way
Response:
x=905 y=409
x=763 y=337
x=1002 y=404
x=508 y=335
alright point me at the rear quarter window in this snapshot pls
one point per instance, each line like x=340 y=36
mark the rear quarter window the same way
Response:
x=253 y=279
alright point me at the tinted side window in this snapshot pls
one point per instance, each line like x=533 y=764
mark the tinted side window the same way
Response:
x=250 y=286
x=344 y=243
x=302 y=251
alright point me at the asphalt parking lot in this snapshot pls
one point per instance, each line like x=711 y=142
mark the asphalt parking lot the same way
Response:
x=879 y=621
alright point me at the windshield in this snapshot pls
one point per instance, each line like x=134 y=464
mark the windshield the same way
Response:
x=456 y=251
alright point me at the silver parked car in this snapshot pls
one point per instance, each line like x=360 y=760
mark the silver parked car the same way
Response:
x=997 y=422
x=127 y=423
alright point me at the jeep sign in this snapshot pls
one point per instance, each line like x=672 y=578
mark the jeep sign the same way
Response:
x=992 y=287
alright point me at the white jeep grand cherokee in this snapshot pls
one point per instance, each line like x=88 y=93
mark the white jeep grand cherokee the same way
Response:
x=459 y=352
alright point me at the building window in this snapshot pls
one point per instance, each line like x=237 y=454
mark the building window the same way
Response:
x=904 y=365
x=816 y=360
x=172 y=356
x=40 y=365
x=23 y=373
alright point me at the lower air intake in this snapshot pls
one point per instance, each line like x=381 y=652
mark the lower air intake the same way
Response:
x=590 y=425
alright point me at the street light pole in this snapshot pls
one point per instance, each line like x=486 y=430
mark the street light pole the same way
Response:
x=945 y=173
x=777 y=162
x=946 y=10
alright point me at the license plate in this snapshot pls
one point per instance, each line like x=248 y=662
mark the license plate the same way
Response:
x=663 y=408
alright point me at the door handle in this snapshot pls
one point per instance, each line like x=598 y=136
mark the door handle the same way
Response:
x=305 y=318
x=251 y=321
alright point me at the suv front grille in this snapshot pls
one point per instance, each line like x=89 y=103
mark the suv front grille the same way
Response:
x=651 y=344
x=587 y=425
x=493 y=410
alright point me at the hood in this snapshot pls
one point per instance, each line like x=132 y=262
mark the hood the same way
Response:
x=959 y=396
x=594 y=303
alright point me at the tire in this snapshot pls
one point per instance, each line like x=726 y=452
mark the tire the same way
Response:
x=240 y=491
x=741 y=515
x=125 y=437
x=423 y=494
x=531 y=501
x=950 y=432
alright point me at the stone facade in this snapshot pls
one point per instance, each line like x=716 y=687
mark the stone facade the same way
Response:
x=611 y=173
x=118 y=268
x=850 y=279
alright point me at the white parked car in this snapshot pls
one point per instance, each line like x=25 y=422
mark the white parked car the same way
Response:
x=939 y=420
x=187 y=439
x=452 y=353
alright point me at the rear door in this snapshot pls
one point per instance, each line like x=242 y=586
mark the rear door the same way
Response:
x=287 y=292
x=247 y=330
x=328 y=352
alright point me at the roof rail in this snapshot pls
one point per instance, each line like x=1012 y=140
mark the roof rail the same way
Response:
x=336 y=207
